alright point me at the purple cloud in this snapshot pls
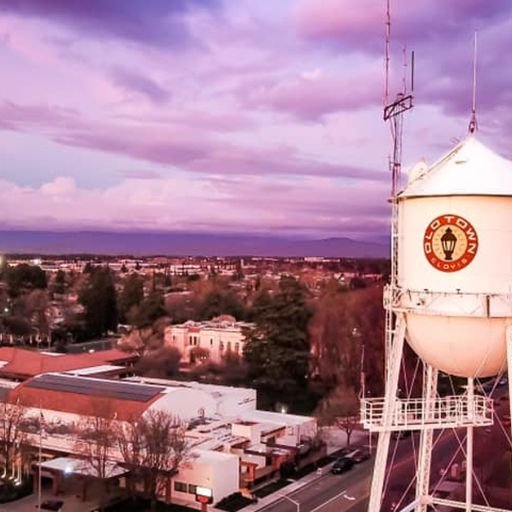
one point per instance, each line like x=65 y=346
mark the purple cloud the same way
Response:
x=141 y=174
x=135 y=82
x=310 y=98
x=359 y=26
x=153 y=22
x=242 y=204
x=182 y=148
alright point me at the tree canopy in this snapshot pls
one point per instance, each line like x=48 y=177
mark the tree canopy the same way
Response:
x=277 y=351
x=99 y=299
x=131 y=295
x=24 y=277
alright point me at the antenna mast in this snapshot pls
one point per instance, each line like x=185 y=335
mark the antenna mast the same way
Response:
x=473 y=124
x=393 y=112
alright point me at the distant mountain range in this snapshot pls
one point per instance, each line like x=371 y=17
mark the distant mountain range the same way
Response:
x=184 y=244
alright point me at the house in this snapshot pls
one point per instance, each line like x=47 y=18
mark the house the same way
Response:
x=216 y=337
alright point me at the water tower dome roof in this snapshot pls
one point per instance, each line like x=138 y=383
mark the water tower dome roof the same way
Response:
x=468 y=169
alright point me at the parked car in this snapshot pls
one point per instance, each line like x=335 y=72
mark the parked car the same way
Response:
x=359 y=455
x=341 y=465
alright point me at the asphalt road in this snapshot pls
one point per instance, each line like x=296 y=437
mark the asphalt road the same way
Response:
x=349 y=488
x=349 y=492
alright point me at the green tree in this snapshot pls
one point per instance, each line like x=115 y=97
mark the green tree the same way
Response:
x=25 y=277
x=59 y=283
x=277 y=350
x=220 y=302
x=132 y=295
x=99 y=299
x=148 y=311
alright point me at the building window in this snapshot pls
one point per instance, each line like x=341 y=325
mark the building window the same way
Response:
x=237 y=348
x=221 y=346
x=180 y=487
x=173 y=337
x=192 y=488
x=229 y=346
x=211 y=342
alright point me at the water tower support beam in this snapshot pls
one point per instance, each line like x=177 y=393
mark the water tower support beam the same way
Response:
x=469 y=448
x=509 y=367
x=425 y=456
x=394 y=359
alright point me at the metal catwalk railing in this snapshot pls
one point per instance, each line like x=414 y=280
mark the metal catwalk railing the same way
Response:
x=416 y=414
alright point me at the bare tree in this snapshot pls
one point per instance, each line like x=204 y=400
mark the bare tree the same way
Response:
x=341 y=408
x=12 y=437
x=347 y=412
x=153 y=448
x=96 y=442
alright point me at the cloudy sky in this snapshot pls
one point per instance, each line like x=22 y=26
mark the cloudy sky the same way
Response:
x=231 y=115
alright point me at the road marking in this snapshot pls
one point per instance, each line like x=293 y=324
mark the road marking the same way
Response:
x=350 y=498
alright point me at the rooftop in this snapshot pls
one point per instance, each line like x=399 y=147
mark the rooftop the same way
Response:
x=471 y=168
x=23 y=363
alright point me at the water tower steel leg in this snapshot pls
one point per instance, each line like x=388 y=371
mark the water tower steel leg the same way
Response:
x=509 y=368
x=469 y=448
x=427 y=435
x=394 y=357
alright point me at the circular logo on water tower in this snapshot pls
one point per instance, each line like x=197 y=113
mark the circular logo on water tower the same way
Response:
x=450 y=243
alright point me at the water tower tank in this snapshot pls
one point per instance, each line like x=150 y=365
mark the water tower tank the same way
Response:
x=455 y=260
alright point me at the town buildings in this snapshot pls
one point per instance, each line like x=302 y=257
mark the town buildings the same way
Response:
x=214 y=338
x=232 y=445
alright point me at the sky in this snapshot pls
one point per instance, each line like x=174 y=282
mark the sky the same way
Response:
x=229 y=116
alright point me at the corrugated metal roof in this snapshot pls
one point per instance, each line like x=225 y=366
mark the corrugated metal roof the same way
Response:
x=471 y=168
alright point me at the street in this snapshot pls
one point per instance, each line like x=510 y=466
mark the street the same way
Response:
x=346 y=492
x=349 y=492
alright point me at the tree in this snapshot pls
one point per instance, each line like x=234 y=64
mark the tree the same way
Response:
x=12 y=437
x=16 y=325
x=277 y=350
x=343 y=323
x=163 y=362
x=131 y=296
x=154 y=446
x=36 y=305
x=99 y=300
x=220 y=302
x=97 y=438
x=341 y=408
x=148 y=311
x=59 y=283
x=24 y=277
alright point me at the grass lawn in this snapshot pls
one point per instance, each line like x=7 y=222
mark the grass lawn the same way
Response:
x=143 y=505
x=233 y=503
x=272 y=487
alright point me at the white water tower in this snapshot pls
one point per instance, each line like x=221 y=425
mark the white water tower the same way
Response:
x=450 y=298
x=455 y=260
